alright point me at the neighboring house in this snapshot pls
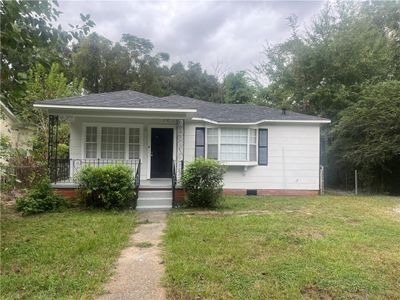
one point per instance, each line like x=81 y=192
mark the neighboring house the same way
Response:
x=267 y=151
x=18 y=135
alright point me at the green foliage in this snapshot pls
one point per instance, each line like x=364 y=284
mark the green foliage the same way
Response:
x=203 y=182
x=131 y=63
x=367 y=136
x=42 y=84
x=28 y=37
x=191 y=81
x=110 y=186
x=320 y=71
x=237 y=88
x=40 y=199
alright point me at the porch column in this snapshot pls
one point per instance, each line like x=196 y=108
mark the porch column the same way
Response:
x=52 y=147
x=180 y=147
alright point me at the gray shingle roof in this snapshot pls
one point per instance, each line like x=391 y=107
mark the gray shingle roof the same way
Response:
x=227 y=113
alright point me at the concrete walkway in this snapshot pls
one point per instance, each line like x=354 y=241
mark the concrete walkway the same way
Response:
x=140 y=268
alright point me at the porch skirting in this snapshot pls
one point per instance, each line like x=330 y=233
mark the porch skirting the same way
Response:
x=72 y=192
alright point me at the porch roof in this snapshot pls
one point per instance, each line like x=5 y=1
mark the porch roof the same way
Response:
x=200 y=110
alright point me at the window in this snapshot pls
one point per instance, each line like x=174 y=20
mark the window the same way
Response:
x=253 y=145
x=112 y=142
x=134 y=144
x=91 y=142
x=200 y=142
x=212 y=143
x=263 y=147
x=232 y=144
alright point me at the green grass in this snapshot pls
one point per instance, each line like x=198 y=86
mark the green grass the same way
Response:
x=61 y=255
x=302 y=247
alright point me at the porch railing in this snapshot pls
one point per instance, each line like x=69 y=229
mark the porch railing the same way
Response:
x=64 y=170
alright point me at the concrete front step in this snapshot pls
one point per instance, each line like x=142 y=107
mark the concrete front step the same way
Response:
x=146 y=194
x=156 y=199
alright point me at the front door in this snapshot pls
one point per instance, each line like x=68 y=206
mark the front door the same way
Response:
x=161 y=152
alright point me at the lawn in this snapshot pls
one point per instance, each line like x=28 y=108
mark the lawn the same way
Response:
x=286 y=248
x=61 y=255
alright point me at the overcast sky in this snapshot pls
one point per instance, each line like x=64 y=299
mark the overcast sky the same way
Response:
x=232 y=33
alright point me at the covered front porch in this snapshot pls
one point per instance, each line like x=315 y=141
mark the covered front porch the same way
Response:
x=151 y=145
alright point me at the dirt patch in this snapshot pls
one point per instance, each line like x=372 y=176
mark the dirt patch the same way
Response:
x=313 y=292
x=397 y=209
x=227 y=213
x=311 y=234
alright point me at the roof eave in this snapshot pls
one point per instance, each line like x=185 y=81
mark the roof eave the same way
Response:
x=139 y=109
x=323 y=121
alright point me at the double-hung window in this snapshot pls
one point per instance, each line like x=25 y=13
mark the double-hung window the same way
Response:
x=232 y=144
x=112 y=142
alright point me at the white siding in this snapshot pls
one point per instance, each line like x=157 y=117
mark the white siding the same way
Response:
x=293 y=159
x=77 y=135
x=293 y=152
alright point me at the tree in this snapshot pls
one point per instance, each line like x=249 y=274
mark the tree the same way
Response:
x=28 y=36
x=41 y=85
x=367 y=136
x=92 y=60
x=237 y=88
x=191 y=81
x=320 y=72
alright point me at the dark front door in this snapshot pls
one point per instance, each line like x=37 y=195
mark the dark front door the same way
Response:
x=161 y=152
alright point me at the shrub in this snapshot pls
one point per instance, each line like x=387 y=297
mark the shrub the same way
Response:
x=40 y=199
x=203 y=182
x=109 y=186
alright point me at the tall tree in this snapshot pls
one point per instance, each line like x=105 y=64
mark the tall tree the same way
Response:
x=42 y=85
x=319 y=72
x=28 y=36
x=237 y=88
x=367 y=137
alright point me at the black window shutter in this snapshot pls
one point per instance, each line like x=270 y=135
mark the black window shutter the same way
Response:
x=263 y=147
x=200 y=141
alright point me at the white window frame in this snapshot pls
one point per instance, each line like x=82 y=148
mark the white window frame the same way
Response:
x=219 y=144
x=98 y=141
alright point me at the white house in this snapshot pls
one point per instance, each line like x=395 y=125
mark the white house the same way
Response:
x=267 y=151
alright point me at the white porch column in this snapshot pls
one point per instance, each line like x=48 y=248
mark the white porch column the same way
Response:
x=180 y=146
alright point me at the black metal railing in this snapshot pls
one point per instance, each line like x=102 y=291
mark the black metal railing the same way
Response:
x=64 y=170
x=137 y=184
x=137 y=175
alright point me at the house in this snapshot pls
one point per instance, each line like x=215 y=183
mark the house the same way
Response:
x=14 y=132
x=266 y=151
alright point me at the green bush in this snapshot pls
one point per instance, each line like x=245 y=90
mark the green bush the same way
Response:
x=40 y=199
x=203 y=181
x=109 y=186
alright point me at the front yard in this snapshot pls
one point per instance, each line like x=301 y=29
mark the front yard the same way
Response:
x=60 y=255
x=286 y=248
